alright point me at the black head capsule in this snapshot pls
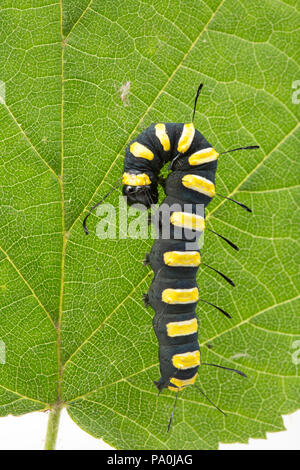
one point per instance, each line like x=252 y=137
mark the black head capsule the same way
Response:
x=145 y=195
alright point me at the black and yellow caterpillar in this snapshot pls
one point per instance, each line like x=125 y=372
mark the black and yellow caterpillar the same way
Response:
x=174 y=293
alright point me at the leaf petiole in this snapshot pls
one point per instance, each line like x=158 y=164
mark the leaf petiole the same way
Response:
x=52 y=429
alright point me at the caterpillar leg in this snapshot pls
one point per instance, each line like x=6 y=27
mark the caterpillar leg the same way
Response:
x=146 y=300
x=146 y=261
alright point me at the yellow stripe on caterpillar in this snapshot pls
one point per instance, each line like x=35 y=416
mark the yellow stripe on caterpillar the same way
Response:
x=140 y=151
x=199 y=184
x=182 y=258
x=182 y=328
x=140 y=179
x=187 y=220
x=186 y=138
x=180 y=296
x=180 y=384
x=161 y=134
x=203 y=156
x=186 y=360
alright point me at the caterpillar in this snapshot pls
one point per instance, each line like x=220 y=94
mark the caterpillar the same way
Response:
x=175 y=259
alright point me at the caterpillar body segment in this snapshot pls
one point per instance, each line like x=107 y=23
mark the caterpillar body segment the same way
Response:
x=180 y=328
x=180 y=361
x=203 y=156
x=192 y=184
x=182 y=259
x=177 y=384
x=164 y=251
x=174 y=329
x=179 y=220
x=175 y=256
x=173 y=295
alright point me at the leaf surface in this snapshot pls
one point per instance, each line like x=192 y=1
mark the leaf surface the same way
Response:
x=72 y=319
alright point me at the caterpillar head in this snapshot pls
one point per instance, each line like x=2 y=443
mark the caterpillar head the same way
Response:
x=145 y=195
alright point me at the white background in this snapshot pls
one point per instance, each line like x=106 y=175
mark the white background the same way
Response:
x=28 y=433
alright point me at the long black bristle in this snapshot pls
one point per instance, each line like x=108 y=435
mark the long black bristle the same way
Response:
x=226 y=368
x=196 y=99
x=221 y=274
x=249 y=147
x=173 y=411
x=225 y=239
x=212 y=403
x=236 y=202
x=98 y=204
x=218 y=308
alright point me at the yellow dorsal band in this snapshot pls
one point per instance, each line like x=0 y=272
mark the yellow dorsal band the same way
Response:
x=186 y=360
x=136 y=180
x=182 y=328
x=180 y=384
x=140 y=151
x=187 y=220
x=161 y=134
x=186 y=137
x=180 y=296
x=182 y=258
x=203 y=156
x=199 y=184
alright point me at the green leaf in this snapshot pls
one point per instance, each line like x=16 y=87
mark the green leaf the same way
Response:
x=75 y=330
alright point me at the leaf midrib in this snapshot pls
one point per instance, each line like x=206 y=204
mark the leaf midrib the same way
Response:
x=64 y=244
